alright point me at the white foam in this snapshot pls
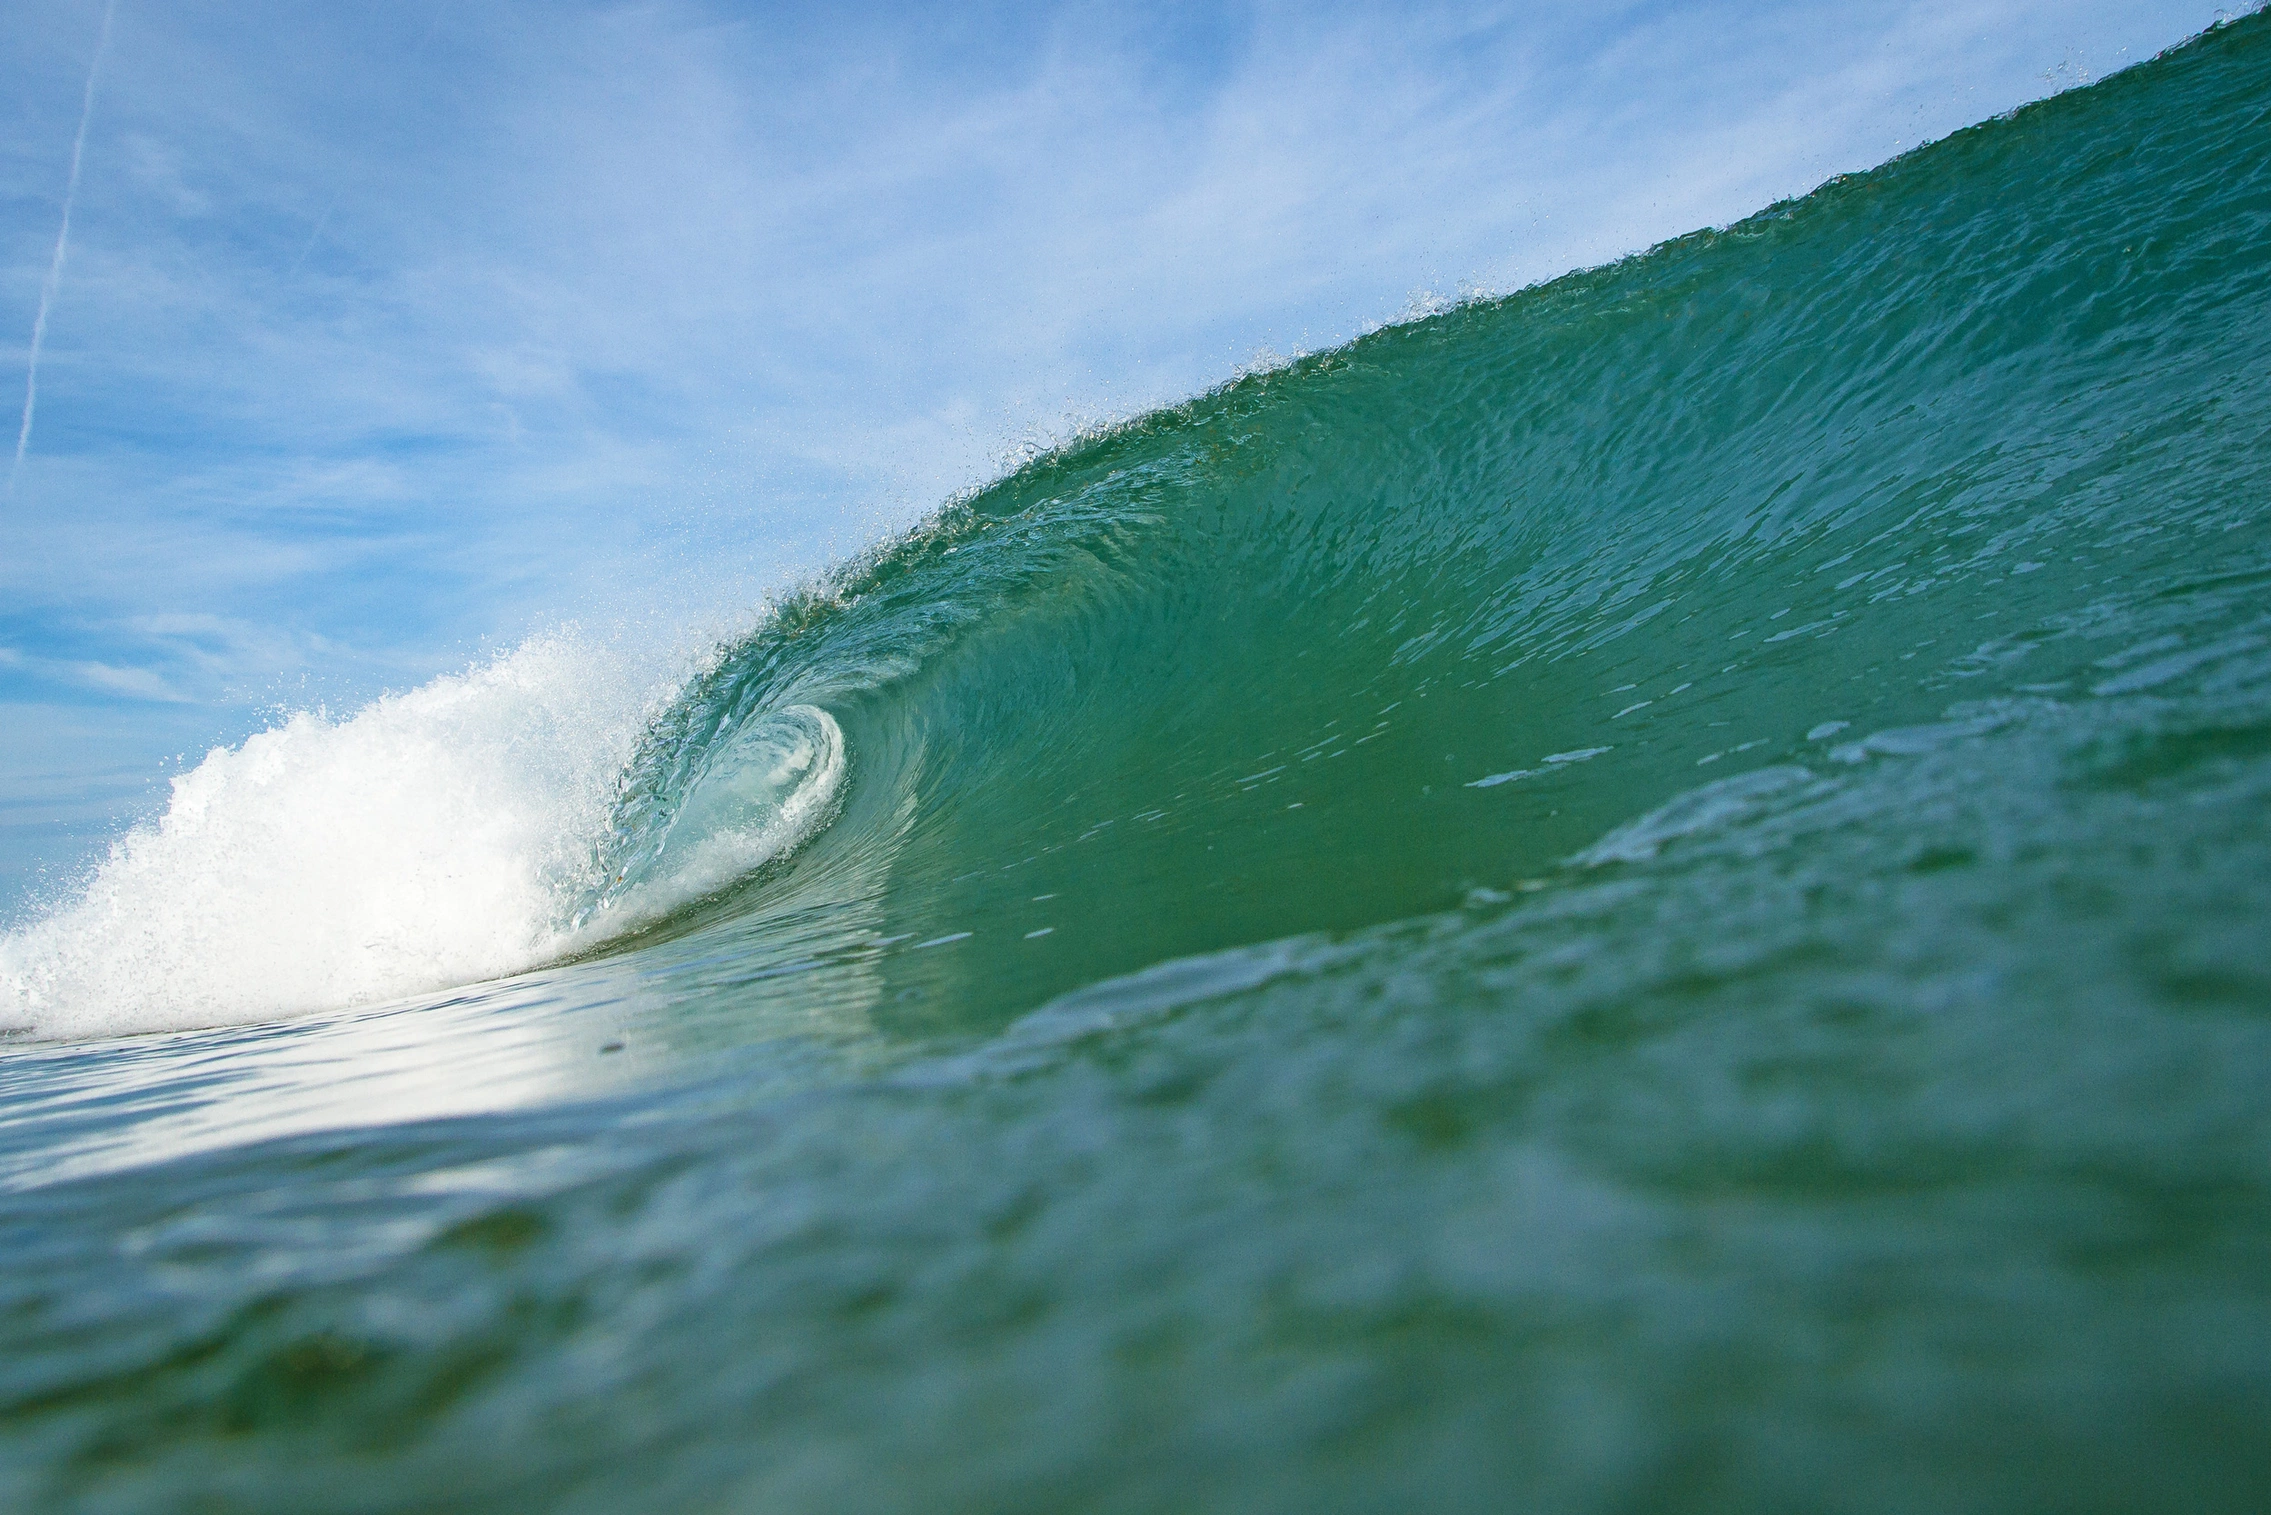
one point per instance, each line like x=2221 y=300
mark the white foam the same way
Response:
x=432 y=838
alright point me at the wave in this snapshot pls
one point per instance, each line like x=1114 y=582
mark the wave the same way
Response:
x=1575 y=577
x=1524 y=588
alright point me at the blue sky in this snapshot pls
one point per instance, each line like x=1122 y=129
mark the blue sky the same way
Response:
x=391 y=333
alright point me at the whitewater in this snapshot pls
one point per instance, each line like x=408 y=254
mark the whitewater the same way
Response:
x=439 y=837
x=1646 y=894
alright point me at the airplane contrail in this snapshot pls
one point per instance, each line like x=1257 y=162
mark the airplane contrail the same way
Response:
x=62 y=244
x=315 y=232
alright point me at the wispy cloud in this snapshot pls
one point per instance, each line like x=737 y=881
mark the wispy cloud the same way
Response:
x=168 y=659
x=103 y=678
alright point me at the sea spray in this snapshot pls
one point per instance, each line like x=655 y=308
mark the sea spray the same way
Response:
x=434 y=837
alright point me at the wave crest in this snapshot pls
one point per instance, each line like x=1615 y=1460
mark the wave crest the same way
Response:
x=432 y=838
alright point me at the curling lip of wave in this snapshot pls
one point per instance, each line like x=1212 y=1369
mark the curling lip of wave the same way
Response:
x=760 y=792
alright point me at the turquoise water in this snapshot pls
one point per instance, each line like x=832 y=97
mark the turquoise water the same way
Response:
x=1648 y=895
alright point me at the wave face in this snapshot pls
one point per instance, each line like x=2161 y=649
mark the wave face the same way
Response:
x=1645 y=895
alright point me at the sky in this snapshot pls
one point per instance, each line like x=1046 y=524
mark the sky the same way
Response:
x=390 y=334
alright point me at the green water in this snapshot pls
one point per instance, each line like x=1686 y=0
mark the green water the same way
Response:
x=1649 y=895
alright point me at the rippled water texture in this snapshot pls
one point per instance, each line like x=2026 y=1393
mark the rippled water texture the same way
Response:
x=1649 y=895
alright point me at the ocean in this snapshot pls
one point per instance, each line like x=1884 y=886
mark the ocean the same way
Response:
x=1646 y=895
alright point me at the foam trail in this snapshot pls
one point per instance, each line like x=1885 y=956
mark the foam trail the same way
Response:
x=62 y=243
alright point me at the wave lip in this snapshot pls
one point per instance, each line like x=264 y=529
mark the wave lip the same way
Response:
x=758 y=795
